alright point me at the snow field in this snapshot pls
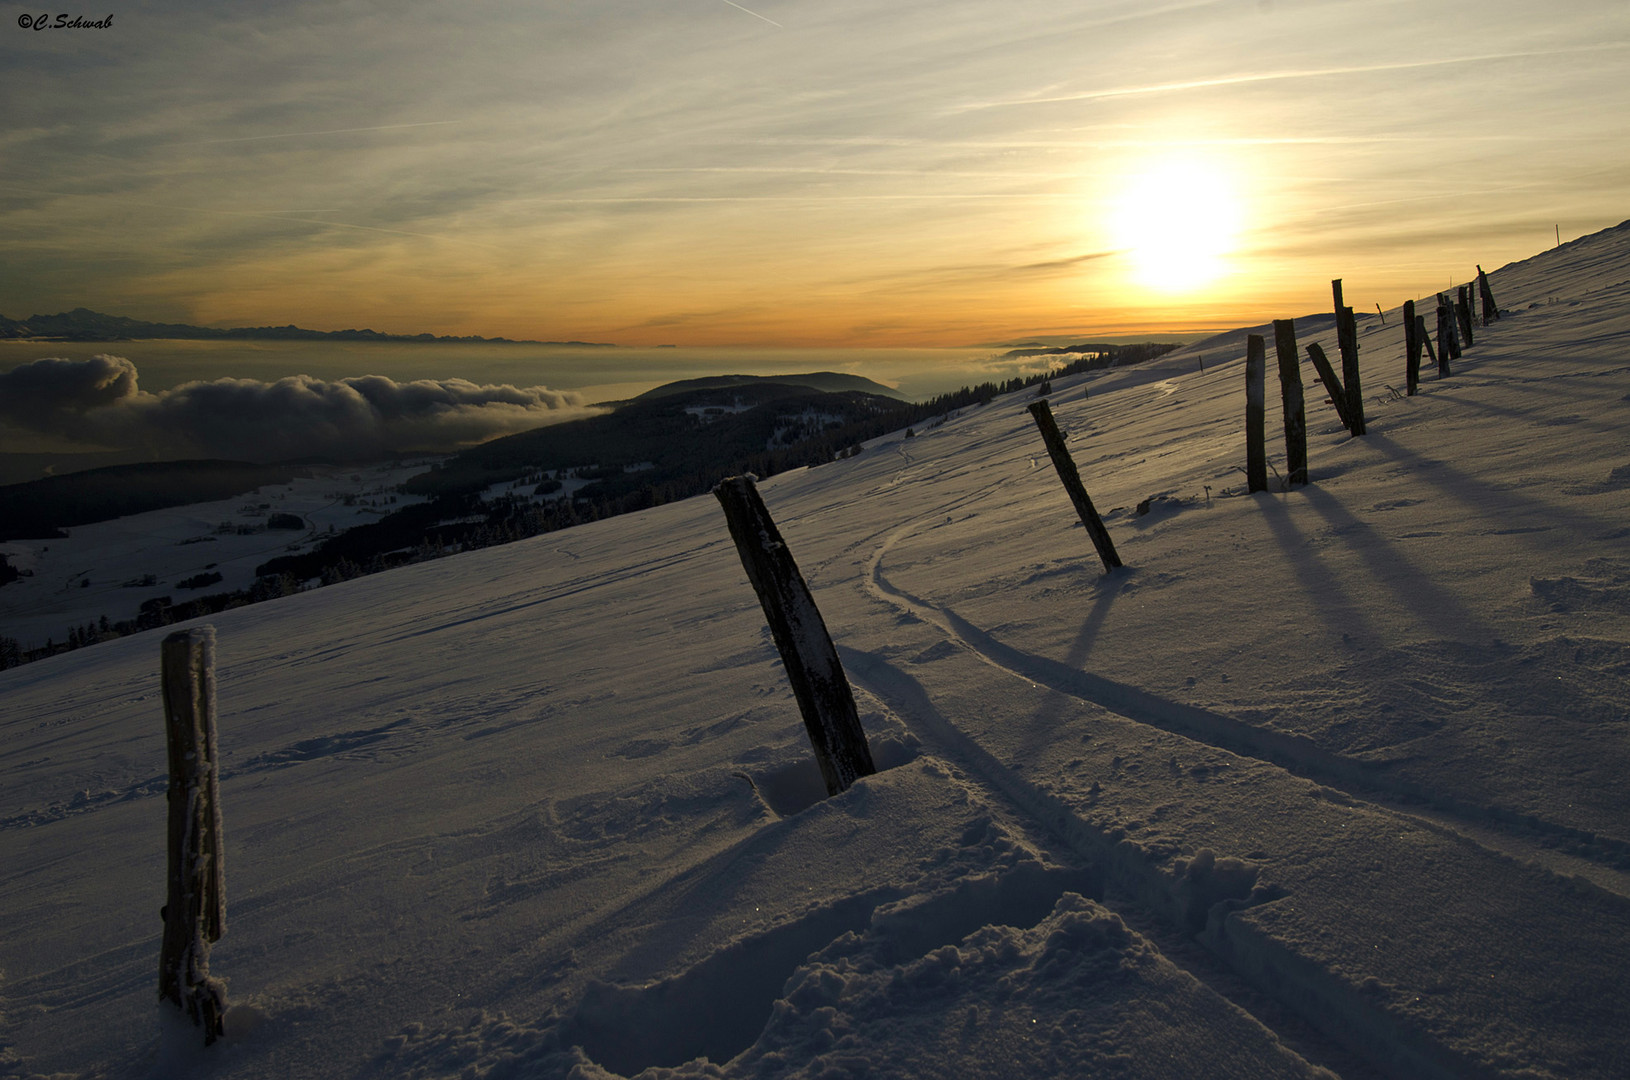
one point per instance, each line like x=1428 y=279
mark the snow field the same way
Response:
x=534 y=811
x=177 y=543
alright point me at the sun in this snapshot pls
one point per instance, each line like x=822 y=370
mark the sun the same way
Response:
x=1176 y=218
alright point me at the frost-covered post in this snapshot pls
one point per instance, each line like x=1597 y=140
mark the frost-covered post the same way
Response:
x=1065 y=465
x=195 y=908
x=817 y=677
x=1491 y=310
x=1256 y=449
x=1327 y=375
x=1290 y=388
x=1412 y=348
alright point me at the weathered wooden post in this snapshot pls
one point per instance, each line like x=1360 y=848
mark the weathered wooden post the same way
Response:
x=1290 y=387
x=1347 y=342
x=1455 y=344
x=817 y=677
x=195 y=908
x=1491 y=310
x=1446 y=337
x=1256 y=448
x=1463 y=315
x=1072 y=484
x=1327 y=375
x=1412 y=348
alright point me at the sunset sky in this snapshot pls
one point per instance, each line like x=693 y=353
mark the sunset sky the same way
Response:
x=794 y=172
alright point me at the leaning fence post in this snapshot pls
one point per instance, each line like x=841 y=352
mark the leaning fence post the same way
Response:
x=1290 y=387
x=1491 y=310
x=195 y=908
x=1327 y=374
x=1072 y=484
x=1425 y=339
x=817 y=677
x=1256 y=448
x=1412 y=348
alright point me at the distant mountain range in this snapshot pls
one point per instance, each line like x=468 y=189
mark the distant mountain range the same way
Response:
x=83 y=324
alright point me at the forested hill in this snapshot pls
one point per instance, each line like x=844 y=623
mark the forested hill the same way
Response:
x=830 y=382
x=40 y=509
x=673 y=436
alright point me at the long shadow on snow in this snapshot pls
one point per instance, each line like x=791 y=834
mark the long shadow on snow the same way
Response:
x=1488 y=500
x=1296 y=753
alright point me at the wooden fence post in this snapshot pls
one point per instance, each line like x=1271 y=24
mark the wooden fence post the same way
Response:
x=1447 y=346
x=1072 y=484
x=1290 y=388
x=1463 y=314
x=818 y=681
x=1327 y=374
x=1455 y=344
x=195 y=908
x=1491 y=310
x=1412 y=348
x=1256 y=449
x=1347 y=341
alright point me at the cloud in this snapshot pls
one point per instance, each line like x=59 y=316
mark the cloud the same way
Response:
x=98 y=401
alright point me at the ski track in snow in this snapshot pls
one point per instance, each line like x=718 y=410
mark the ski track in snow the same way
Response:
x=1495 y=828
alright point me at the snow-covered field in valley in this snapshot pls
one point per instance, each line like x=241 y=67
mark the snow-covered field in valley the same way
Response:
x=1334 y=778
x=109 y=569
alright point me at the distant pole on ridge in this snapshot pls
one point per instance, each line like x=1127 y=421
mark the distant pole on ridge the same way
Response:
x=807 y=652
x=1067 y=474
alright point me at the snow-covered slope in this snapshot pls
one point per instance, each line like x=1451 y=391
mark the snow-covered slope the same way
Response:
x=1327 y=778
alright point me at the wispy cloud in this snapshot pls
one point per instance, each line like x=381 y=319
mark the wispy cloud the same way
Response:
x=326 y=131
x=1279 y=76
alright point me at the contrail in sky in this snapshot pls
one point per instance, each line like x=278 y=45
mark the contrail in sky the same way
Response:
x=754 y=14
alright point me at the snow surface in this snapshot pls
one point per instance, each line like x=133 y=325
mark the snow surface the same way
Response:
x=180 y=542
x=1326 y=778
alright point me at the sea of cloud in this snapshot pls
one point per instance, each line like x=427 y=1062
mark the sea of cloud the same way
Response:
x=98 y=402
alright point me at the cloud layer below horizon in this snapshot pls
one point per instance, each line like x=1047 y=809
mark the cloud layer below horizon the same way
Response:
x=98 y=402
